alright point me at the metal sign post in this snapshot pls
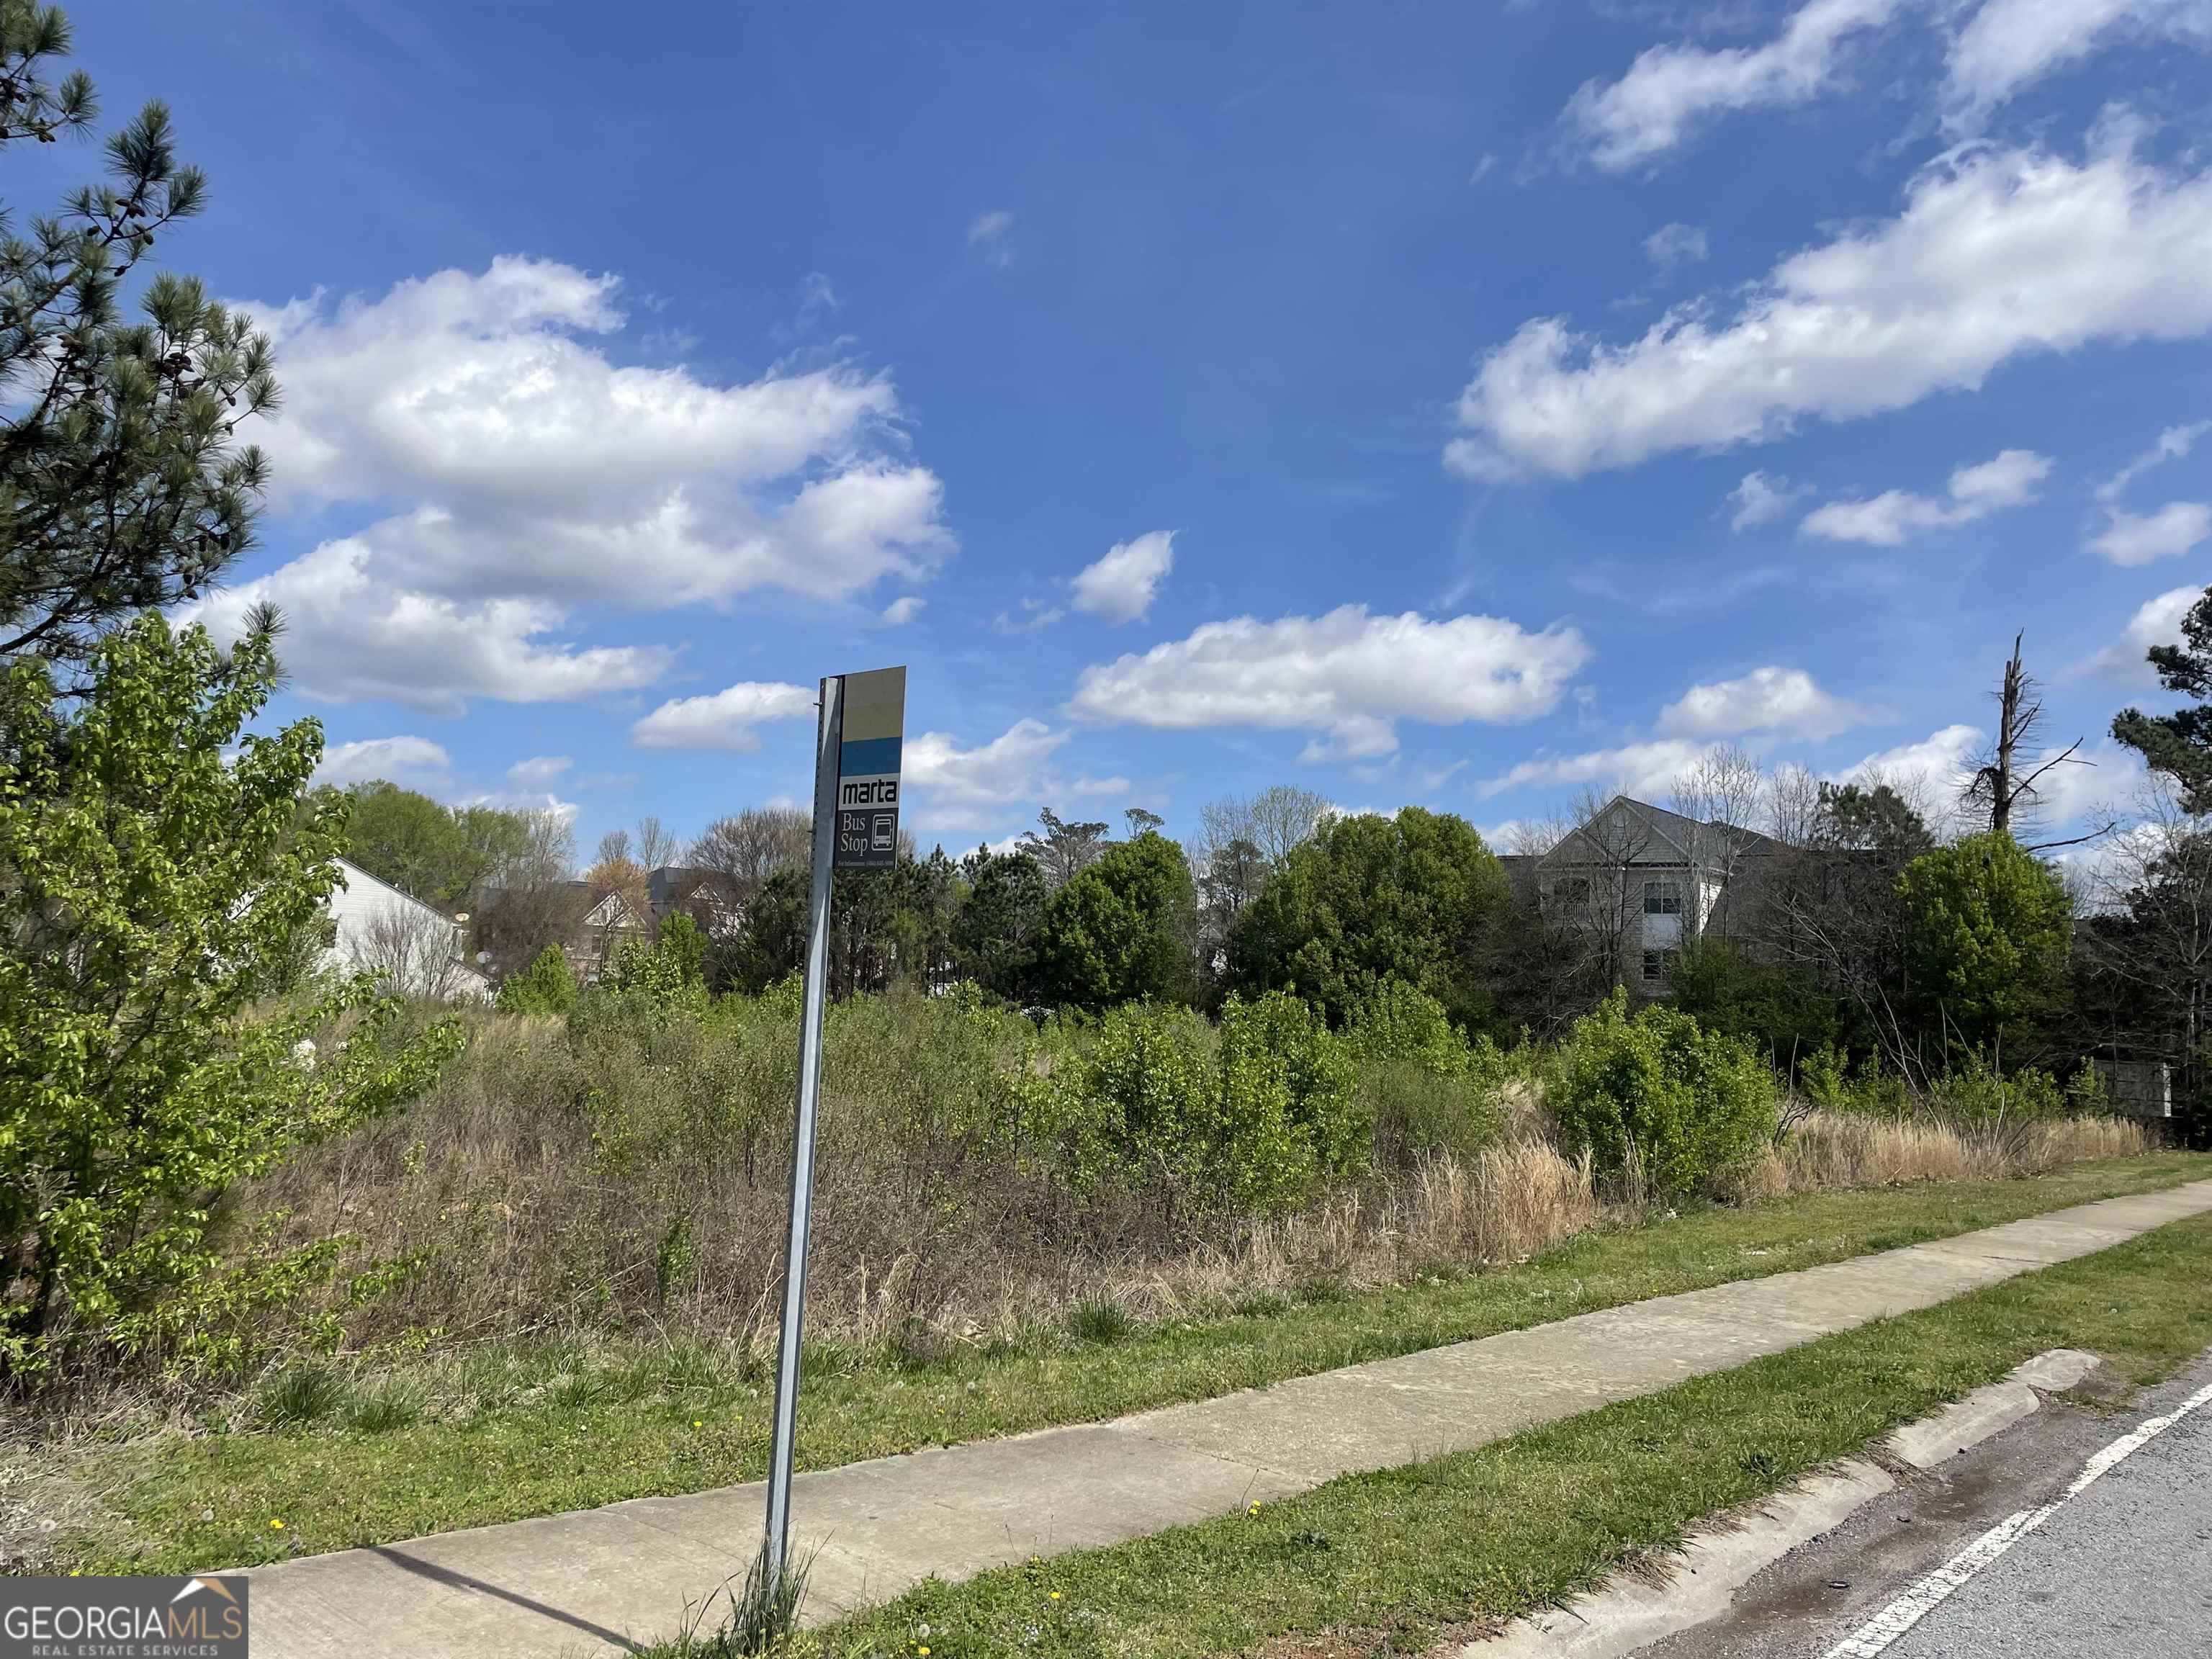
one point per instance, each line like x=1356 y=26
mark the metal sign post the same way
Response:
x=856 y=786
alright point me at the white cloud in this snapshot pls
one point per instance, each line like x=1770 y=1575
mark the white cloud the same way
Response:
x=2173 y=444
x=2138 y=538
x=408 y=761
x=1120 y=586
x=2157 y=621
x=963 y=790
x=2008 y=43
x=901 y=612
x=1485 y=165
x=1998 y=254
x=2008 y=479
x=724 y=719
x=529 y=468
x=1675 y=245
x=1761 y=498
x=1785 y=702
x=1347 y=677
x=1933 y=769
x=1672 y=91
x=987 y=233
x=525 y=801
x=539 y=772
x=1641 y=769
x=349 y=633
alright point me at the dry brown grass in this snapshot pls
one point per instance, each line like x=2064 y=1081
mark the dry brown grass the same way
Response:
x=547 y=1187
x=1828 y=1150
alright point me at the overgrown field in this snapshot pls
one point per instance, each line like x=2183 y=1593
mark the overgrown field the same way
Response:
x=566 y=1254
x=626 y=1169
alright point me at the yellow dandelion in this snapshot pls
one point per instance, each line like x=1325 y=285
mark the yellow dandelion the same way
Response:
x=276 y=1524
x=1254 y=1510
x=697 y=1423
x=1055 y=1595
x=923 y=1651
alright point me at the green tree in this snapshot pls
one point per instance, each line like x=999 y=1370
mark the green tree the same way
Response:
x=994 y=932
x=1987 y=927
x=1858 y=818
x=1368 y=899
x=442 y=854
x=2179 y=745
x=121 y=485
x=155 y=870
x=1124 y=928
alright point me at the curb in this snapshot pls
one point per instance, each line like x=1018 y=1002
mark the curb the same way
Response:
x=1716 y=1562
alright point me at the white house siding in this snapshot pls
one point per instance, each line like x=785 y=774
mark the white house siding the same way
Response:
x=357 y=902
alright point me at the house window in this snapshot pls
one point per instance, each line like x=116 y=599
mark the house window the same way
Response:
x=1662 y=898
x=1655 y=964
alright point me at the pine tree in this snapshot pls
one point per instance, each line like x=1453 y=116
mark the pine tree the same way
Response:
x=2179 y=745
x=122 y=485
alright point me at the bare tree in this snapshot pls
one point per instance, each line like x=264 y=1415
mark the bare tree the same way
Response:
x=1283 y=818
x=613 y=846
x=2145 y=941
x=528 y=903
x=1593 y=890
x=656 y=844
x=747 y=848
x=1724 y=795
x=2008 y=783
x=417 y=949
x=1793 y=805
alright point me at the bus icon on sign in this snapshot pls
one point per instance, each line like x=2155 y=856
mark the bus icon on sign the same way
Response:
x=883 y=837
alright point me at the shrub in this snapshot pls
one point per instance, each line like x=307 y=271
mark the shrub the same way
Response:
x=1683 y=1104
x=546 y=986
x=1243 y=1123
x=672 y=971
x=1423 y=1087
x=1974 y=1095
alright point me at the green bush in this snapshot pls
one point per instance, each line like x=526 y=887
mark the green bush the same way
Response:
x=1424 y=1088
x=546 y=986
x=1975 y=1095
x=1241 y=1122
x=1833 y=1084
x=1683 y=1104
x=669 y=972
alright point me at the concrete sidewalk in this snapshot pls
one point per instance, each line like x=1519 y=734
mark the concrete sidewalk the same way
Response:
x=602 y=1580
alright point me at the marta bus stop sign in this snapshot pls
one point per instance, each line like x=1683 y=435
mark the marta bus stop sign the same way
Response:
x=873 y=726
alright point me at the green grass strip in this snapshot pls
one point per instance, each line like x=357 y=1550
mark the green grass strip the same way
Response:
x=1384 y=1563
x=573 y=1438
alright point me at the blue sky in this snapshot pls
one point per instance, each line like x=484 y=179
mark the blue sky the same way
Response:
x=1445 y=404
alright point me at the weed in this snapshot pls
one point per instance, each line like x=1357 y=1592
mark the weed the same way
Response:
x=298 y=1395
x=1099 y=1320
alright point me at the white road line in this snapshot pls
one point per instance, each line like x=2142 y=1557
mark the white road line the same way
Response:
x=1928 y=1593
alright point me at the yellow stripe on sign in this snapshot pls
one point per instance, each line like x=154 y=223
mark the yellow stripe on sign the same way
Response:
x=875 y=704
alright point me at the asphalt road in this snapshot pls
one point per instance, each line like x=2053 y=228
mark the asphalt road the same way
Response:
x=2121 y=1569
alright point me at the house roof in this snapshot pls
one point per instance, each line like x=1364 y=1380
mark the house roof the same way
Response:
x=1636 y=832
x=354 y=879
x=673 y=883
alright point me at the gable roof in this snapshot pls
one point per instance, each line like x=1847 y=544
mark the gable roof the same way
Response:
x=1633 y=831
x=355 y=879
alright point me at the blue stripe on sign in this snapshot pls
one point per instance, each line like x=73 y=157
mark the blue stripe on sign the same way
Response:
x=868 y=757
